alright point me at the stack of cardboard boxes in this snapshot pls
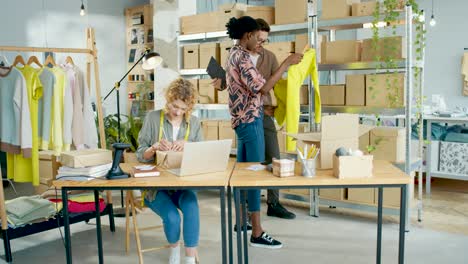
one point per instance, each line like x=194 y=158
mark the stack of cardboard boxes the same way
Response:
x=218 y=129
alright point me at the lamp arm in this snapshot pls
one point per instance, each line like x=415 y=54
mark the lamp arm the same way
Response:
x=117 y=84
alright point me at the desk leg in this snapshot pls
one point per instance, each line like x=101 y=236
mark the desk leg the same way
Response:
x=315 y=202
x=229 y=194
x=237 y=203
x=111 y=218
x=244 y=225
x=379 y=225
x=222 y=196
x=98 y=226
x=6 y=245
x=428 y=159
x=401 y=249
x=66 y=226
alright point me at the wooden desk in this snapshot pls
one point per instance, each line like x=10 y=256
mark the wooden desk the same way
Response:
x=166 y=181
x=385 y=175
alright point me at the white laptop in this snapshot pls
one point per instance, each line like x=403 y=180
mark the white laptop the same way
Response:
x=204 y=157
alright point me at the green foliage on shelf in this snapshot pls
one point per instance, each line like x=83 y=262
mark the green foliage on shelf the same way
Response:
x=129 y=130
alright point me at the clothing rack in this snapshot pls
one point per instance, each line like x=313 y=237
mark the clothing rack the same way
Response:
x=91 y=52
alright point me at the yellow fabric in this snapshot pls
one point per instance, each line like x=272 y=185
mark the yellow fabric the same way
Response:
x=22 y=169
x=287 y=93
x=56 y=129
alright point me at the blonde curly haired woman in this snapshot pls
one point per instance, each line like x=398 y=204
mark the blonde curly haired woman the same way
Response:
x=164 y=130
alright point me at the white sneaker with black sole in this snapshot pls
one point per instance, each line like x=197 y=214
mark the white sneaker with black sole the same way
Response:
x=265 y=241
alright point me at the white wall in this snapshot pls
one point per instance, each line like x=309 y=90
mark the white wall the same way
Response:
x=28 y=22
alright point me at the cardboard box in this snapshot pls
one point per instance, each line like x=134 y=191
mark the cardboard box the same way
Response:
x=363 y=9
x=281 y=49
x=304 y=95
x=364 y=141
x=333 y=194
x=281 y=140
x=379 y=94
x=332 y=9
x=210 y=130
x=290 y=11
x=225 y=131
x=198 y=23
x=42 y=188
x=169 y=159
x=206 y=91
x=225 y=47
x=332 y=137
x=222 y=97
x=191 y=57
x=85 y=158
x=208 y=50
x=362 y=195
x=391 y=197
x=355 y=90
x=301 y=41
x=341 y=51
x=332 y=94
x=389 y=143
x=267 y=13
x=392 y=47
x=48 y=167
x=348 y=167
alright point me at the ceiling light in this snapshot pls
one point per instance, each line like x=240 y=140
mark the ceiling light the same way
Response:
x=82 y=11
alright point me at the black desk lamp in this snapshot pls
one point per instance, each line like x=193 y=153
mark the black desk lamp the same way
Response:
x=151 y=60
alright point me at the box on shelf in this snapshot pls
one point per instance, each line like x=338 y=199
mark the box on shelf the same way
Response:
x=206 y=91
x=391 y=197
x=225 y=131
x=333 y=194
x=208 y=50
x=341 y=51
x=348 y=167
x=210 y=130
x=391 y=47
x=191 y=56
x=199 y=23
x=389 y=143
x=332 y=9
x=42 y=188
x=194 y=83
x=356 y=90
x=281 y=139
x=362 y=195
x=222 y=97
x=332 y=137
x=290 y=11
x=332 y=94
x=363 y=9
x=454 y=157
x=281 y=49
x=85 y=158
x=48 y=167
x=364 y=141
x=267 y=13
x=225 y=47
x=304 y=95
x=301 y=41
x=379 y=94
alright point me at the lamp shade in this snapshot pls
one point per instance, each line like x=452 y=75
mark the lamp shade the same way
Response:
x=151 y=60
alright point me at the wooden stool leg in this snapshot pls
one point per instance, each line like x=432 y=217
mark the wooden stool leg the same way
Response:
x=137 y=233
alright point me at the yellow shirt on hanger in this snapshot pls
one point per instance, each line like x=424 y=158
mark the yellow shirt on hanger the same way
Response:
x=56 y=130
x=287 y=93
x=22 y=169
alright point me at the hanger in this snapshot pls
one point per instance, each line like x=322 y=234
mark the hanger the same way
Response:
x=19 y=59
x=3 y=61
x=50 y=60
x=69 y=60
x=33 y=59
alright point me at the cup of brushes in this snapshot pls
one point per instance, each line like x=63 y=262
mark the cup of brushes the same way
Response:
x=308 y=157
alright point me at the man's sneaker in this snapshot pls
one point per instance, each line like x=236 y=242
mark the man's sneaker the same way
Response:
x=278 y=210
x=249 y=228
x=265 y=241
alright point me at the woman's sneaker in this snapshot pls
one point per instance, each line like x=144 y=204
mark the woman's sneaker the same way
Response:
x=265 y=241
x=249 y=228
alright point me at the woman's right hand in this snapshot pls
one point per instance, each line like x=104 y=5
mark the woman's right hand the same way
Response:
x=216 y=83
x=164 y=145
x=294 y=58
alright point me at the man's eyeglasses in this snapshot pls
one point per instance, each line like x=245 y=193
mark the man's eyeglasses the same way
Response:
x=263 y=41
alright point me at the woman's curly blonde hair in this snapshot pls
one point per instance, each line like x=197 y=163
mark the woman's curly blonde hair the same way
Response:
x=181 y=89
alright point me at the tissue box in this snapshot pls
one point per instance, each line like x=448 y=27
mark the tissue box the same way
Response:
x=85 y=158
x=169 y=159
x=283 y=167
x=346 y=167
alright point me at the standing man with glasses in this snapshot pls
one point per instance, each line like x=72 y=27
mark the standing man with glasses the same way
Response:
x=266 y=63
